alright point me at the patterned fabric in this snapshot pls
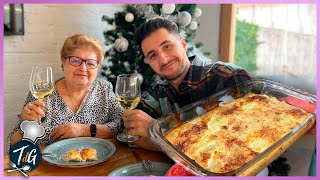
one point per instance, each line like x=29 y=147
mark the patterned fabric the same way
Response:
x=200 y=82
x=98 y=107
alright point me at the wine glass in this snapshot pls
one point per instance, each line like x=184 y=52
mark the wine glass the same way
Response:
x=128 y=96
x=41 y=83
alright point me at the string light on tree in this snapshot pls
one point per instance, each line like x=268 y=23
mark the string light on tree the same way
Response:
x=184 y=18
x=108 y=71
x=121 y=44
x=129 y=17
x=168 y=8
x=126 y=66
x=112 y=76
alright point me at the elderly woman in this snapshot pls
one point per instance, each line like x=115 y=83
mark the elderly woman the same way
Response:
x=80 y=104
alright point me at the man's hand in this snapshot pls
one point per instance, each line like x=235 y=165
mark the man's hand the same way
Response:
x=138 y=123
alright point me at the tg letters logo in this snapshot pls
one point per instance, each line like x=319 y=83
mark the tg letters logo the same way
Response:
x=25 y=155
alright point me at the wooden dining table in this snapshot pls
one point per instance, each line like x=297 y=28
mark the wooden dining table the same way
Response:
x=123 y=156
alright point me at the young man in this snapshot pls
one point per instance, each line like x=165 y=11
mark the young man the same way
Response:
x=188 y=80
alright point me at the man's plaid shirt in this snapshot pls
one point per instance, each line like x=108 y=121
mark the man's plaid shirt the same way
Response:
x=200 y=82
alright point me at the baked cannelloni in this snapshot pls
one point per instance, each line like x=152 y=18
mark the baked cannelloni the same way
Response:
x=227 y=137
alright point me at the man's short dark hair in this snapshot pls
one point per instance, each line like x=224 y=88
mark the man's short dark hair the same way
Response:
x=151 y=26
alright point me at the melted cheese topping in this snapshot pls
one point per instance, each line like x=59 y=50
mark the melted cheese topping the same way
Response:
x=89 y=154
x=227 y=137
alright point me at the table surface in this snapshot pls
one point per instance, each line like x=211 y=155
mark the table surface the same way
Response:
x=122 y=157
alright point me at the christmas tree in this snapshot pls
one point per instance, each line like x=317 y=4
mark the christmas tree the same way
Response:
x=124 y=56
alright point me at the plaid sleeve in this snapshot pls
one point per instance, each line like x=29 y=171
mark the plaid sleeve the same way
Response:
x=238 y=75
x=150 y=105
x=231 y=75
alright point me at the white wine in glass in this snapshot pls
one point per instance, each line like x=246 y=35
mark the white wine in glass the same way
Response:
x=41 y=83
x=128 y=95
x=128 y=102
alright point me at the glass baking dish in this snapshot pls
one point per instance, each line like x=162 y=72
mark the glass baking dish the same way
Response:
x=188 y=113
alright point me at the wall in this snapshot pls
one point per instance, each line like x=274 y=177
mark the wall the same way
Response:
x=208 y=31
x=46 y=27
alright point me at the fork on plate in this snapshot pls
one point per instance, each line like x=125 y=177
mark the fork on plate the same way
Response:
x=147 y=164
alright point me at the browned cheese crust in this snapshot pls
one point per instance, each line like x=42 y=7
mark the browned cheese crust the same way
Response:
x=227 y=137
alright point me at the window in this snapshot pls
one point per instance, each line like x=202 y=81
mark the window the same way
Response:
x=13 y=19
x=278 y=42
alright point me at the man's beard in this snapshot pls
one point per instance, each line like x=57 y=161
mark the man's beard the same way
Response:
x=178 y=75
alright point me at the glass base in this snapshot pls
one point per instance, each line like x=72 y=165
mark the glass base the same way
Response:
x=127 y=138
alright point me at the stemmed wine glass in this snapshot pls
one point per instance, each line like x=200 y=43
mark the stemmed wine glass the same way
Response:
x=128 y=96
x=41 y=83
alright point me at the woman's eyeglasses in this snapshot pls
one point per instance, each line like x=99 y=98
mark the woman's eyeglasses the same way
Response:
x=76 y=61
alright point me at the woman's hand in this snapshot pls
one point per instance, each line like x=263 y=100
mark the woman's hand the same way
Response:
x=33 y=111
x=138 y=123
x=70 y=130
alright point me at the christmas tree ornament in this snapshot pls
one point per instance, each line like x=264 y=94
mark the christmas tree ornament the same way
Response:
x=145 y=10
x=168 y=8
x=139 y=76
x=193 y=25
x=129 y=17
x=121 y=44
x=197 y=12
x=184 y=18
